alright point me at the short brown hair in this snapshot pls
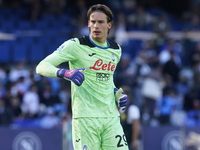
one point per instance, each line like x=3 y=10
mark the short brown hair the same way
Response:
x=101 y=8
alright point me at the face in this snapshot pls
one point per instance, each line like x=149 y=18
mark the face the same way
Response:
x=99 y=26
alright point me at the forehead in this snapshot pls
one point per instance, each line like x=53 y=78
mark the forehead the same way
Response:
x=98 y=16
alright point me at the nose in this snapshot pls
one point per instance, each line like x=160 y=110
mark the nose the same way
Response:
x=96 y=25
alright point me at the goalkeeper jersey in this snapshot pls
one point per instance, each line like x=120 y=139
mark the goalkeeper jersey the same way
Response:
x=95 y=97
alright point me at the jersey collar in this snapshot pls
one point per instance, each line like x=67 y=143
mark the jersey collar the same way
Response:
x=98 y=45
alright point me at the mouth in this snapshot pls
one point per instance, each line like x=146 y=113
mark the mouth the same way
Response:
x=96 y=32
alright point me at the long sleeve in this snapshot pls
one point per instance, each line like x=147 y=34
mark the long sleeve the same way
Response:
x=66 y=52
x=47 y=67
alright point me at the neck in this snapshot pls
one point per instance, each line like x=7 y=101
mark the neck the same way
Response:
x=103 y=45
x=99 y=40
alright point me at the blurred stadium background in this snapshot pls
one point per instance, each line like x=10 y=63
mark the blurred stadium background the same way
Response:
x=160 y=40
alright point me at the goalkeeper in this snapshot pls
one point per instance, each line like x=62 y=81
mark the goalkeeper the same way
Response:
x=92 y=62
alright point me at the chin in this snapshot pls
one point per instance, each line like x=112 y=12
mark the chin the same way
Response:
x=96 y=36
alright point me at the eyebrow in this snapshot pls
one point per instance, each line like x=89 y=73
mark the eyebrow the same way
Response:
x=96 y=20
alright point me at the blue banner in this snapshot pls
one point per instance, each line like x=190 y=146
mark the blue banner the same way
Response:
x=31 y=139
x=171 y=138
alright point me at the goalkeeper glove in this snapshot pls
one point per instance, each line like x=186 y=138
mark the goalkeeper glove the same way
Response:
x=75 y=76
x=121 y=98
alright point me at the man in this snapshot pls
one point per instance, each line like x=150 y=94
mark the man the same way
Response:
x=92 y=61
x=130 y=121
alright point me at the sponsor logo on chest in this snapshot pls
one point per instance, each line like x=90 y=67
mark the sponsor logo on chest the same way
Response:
x=100 y=65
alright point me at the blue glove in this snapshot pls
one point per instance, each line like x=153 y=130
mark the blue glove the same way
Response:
x=75 y=76
x=121 y=98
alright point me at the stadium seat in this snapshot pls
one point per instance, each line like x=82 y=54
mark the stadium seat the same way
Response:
x=51 y=48
x=41 y=25
x=51 y=32
x=20 y=12
x=25 y=25
x=46 y=40
x=61 y=39
x=8 y=26
x=27 y=40
x=64 y=19
x=36 y=52
x=48 y=18
x=20 y=52
x=4 y=53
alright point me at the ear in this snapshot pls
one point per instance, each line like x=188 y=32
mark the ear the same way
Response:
x=88 y=23
x=109 y=25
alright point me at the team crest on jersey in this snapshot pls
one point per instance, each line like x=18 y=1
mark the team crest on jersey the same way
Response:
x=85 y=147
x=61 y=47
x=113 y=57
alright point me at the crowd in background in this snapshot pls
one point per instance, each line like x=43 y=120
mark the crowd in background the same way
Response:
x=163 y=72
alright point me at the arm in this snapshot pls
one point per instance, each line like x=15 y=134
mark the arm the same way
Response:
x=135 y=133
x=47 y=67
x=65 y=52
x=134 y=117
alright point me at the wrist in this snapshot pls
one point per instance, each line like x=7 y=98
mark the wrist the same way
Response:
x=115 y=90
x=60 y=73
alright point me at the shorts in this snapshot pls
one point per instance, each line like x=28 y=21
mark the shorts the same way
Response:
x=98 y=134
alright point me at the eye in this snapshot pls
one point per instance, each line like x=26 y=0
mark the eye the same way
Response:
x=92 y=21
x=101 y=21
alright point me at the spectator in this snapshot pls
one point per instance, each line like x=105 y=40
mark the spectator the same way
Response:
x=16 y=107
x=196 y=76
x=19 y=71
x=195 y=55
x=6 y=114
x=182 y=86
x=64 y=94
x=50 y=120
x=136 y=71
x=139 y=68
x=193 y=118
x=47 y=97
x=83 y=29
x=128 y=6
x=141 y=19
x=171 y=69
x=166 y=51
x=65 y=97
x=151 y=90
x=193 y=24
x=151 y=53
x=123 y=76
x=119 y=29
x=67 y=131
x=31 y=102
x=166 y=105
x=189 y=98
x=3 y=74
x=21 y=86
x=162 y=25
x=2 y=89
